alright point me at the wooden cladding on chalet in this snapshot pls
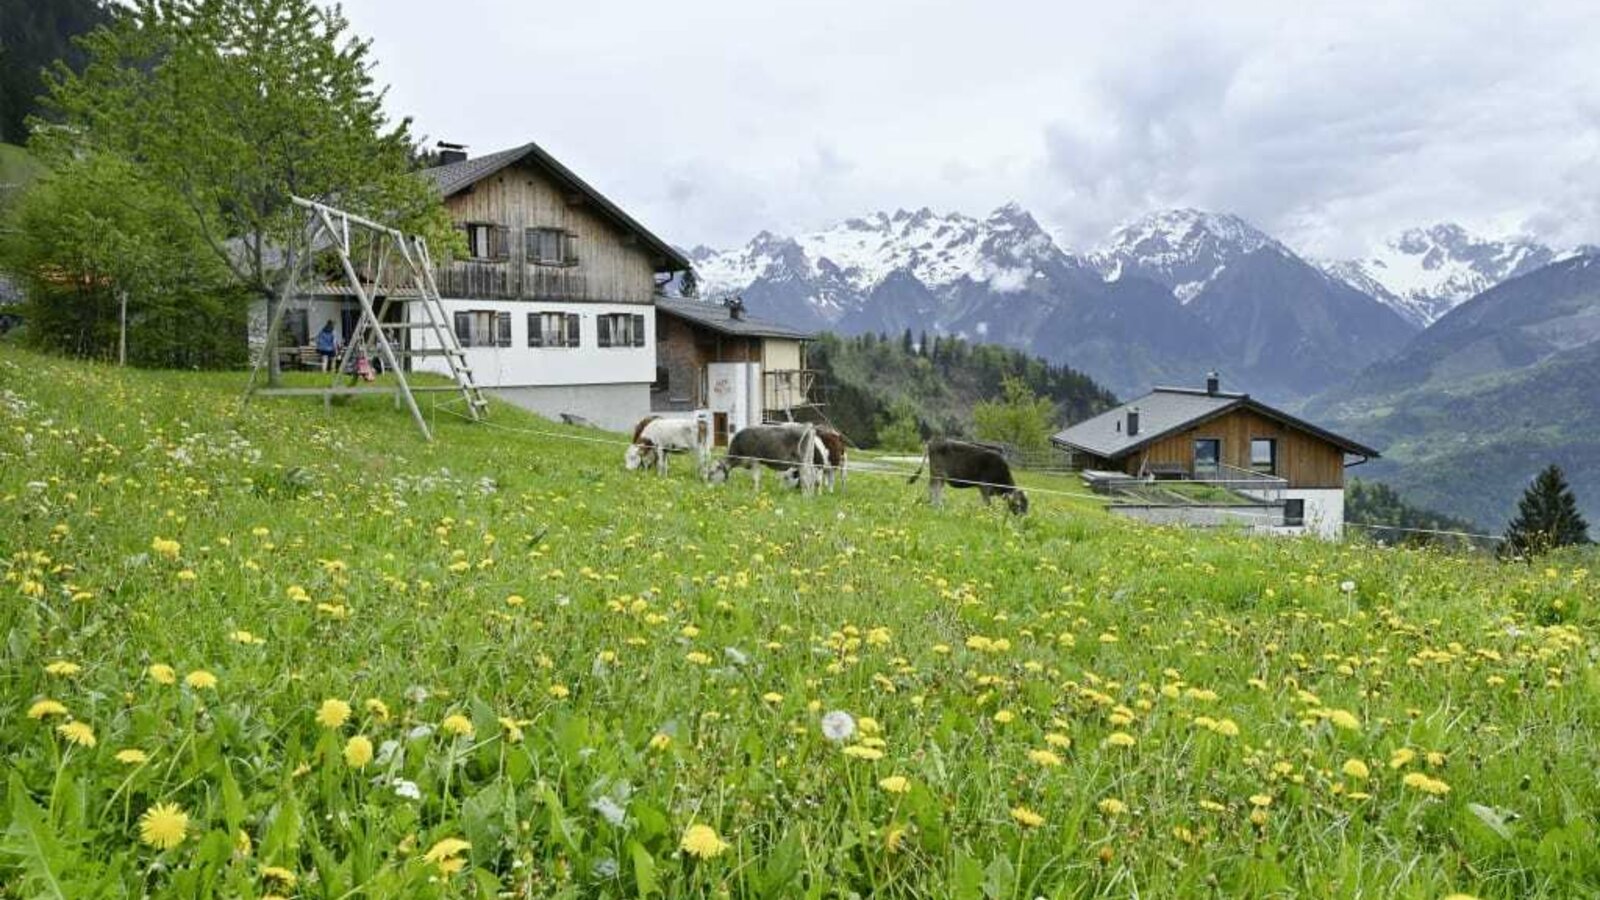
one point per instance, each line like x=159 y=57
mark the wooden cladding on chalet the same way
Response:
x=1242 y=442
x=528 y=241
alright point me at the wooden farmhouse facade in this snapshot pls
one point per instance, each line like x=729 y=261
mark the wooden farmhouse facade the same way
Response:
x=1231 y=441
x=552 y=300
x=712 y=356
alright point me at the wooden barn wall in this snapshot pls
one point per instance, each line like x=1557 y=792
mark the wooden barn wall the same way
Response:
x=1306 y=461
x=613 y=265
x=684 y=350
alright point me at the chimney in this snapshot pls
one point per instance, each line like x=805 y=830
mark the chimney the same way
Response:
x=1213 y=383
x=451 y=153
x=736 y=308
x=1133 y=421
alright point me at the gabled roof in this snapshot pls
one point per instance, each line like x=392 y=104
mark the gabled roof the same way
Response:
x=456 y=177
x=1167 y=410
x=718 y=318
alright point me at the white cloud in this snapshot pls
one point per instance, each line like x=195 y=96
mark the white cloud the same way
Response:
x=1332 y=124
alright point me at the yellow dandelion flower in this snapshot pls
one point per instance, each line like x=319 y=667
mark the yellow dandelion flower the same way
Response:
x=860 y=752
x=280 y=875
x=1004 y=716
x=558 y=691
x=458 y=725
x=1435 y=758
x=78 y=733
x=1111 y=806
x=132 y=757
x=1402 y=758
x=1419 y=781
x=333 y=713
x=63 y=667
x=515 y=600
x=1355 y=768
x=893 y=838
x=165 y=548
x=378 y=708
x=1344 y=719
x=45 y=708
x=1026 y=817
x=161 y=673
x=772 y=697
x=702 y=842
x=1058 y=740
x=200 y=680
x=298 y=594
x=895 y=784
x=358 y=751
x=868 y=725
x=163 y=826
x=446 y=854
x=1261 y=800
x=660 y=741
x=1121 y=739
x=698 y=658
x=512 y=729
x=1226 y=728
x=1258 y=816
x=1044 y=758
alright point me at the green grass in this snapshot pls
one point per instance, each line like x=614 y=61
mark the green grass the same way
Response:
x=573 y=613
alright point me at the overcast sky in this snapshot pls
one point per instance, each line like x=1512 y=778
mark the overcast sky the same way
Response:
x=711 y=120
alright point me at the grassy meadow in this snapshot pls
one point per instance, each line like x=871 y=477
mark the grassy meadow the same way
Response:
x=301 y=653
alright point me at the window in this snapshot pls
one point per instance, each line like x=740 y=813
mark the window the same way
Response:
x=483 y=328
x=620 y=330
x=663 y=379
x=1264 y=455
x=1207 y=456
x=550 y=247
x=486 y=241
x=1294 y=513
x=553 y=329
x=297 y=326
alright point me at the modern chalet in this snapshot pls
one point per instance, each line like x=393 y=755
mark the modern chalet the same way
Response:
x=1203 y=456
x=715 y=357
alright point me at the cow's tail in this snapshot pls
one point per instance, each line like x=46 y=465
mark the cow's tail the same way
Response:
x=918 y=473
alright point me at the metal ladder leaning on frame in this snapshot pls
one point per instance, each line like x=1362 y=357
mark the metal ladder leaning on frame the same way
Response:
x=414 y=287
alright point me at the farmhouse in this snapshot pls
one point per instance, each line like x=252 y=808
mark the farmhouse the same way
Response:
x=553 y=301
x=713 y=356
x=1209 y=457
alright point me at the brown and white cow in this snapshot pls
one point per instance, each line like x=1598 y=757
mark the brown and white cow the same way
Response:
x=655 y=437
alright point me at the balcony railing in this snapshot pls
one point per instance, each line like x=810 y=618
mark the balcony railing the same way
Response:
x=784 y=389
x=1249 y=482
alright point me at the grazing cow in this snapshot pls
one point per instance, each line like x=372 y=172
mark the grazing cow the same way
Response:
x=965 y=464
x=655 y=437
x=781 y=447
x=830 y=460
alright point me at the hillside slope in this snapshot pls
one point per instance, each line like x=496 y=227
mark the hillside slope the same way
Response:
x=299 y=646
x=1499 y=387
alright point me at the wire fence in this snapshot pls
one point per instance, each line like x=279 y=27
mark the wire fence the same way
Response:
x=894 y=468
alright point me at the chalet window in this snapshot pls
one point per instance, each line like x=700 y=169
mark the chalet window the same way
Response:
x=1207 y=456
x=553 y=329
x=1264 y=455
x=1294 y=513
x=297 y=325
x=550 y=247
x=486 y=241
x=483 y=328
x=620 y=330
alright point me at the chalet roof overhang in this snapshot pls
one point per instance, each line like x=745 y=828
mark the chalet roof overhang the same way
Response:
x=716 y=317
x=457 y=177
x=1084 y=436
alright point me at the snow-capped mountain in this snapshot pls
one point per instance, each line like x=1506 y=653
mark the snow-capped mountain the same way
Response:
x=1184 y=249
x=1424 y=273
x=840 y=266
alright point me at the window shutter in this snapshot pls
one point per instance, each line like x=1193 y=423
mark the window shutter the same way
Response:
x=502 y=323
x=502 y=242
x=603 y=330
x=535 y=333
x=572 y=330
x=466 y=230
x=530 y=245
x=638 y=331
x=569 y=253
x=464 y=328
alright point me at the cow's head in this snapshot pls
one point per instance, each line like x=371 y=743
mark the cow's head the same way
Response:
x=634 y=457
x=717 y=472
x=1017 y=501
